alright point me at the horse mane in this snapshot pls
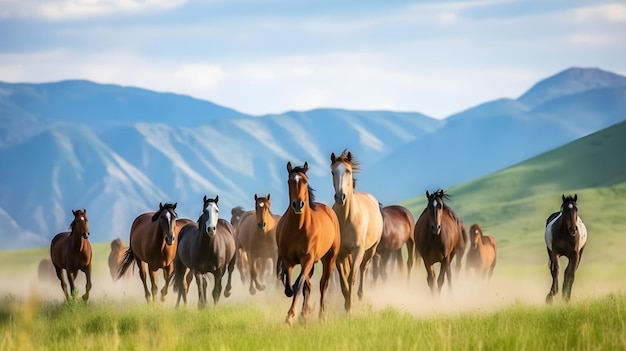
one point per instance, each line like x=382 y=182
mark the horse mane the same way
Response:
x=300 y=169
x=167 y=206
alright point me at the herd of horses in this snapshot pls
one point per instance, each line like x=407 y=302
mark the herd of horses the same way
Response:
x=349 y=236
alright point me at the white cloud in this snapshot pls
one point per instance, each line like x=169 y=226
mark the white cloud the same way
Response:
x=200 y=76
x=68 y=9
x=609 y=12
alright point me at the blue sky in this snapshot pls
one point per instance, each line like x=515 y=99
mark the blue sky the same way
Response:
x=271 y=56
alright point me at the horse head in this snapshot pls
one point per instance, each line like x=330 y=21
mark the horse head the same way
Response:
x=435 y=209
x=236 y=214
x=300 y=193
x=262 y=210
x=569 y=210
x=475 y=235
x=166 y=215
x=80 y=224
x=342 y=168
x=210 y=215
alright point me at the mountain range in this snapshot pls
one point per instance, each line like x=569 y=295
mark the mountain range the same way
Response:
x=120 y=151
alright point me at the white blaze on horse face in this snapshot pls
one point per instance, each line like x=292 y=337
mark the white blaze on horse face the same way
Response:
x=339 y=181
x=261 y=205
x=435 y=203
x=169 y=217
x=213 y=211
x=297 y=178
x=570 y=206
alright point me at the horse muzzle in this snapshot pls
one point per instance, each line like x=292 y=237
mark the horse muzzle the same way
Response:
x=340 y=199
x=436 y=229
x=211 y=230
x=573 y=231
x=298 y=206
x=86 y=235
x=261 y=225
x=169 y=240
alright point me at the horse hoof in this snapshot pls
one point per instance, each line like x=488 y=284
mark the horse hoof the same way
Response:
x=288 y=292
x=85 y=297
x=260 y=287
x=289 y=320
x=252 y=291
x=227 y=293
x=549 y=298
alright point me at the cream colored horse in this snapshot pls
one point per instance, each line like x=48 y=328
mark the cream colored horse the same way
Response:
x=360 y=222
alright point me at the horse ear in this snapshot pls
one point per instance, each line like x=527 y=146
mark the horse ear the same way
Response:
x=217 y=198
x=306 y=166
x=204 y=199
x=175 y=203
x=85 y=210
x=563 y=197
x=74 y=212
x=332 y=157
x=160 y=205
x=427 y=193
x=289 y=167
x=349 y=156
x=268 y=197
x=575 y=197
x=255 y=197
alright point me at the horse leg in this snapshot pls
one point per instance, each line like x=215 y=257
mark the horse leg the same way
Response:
x=430 y=277
x=367 y=258
x=261 y=268
x=444 y=271
x=306 y=292
x=376 y=267
x=153 y=282
x=59 y=272
x=343 y=267
x=198 y=276
x=328 y=262
x=70 y=279
x=217 y=284
x=554 y=270
x=410 y=248
x=167 y=275
x=142 y=275
x=231 y=267
x=87 y=271
x=570 y=273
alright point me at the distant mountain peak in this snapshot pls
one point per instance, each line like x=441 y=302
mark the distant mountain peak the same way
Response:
x=570 y=81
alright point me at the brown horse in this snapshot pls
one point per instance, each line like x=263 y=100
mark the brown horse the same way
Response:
x=71 y=251
x=481 y=256
x=307 y=232
x=437 y=234
x=565 y=235
x=361 y=225
x=115 y=258
x=207 y=246
x=257 y=237
x=242 y=257
x=398 y=226
x=153 y=240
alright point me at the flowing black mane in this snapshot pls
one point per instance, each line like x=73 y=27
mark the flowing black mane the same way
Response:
x=301 y=169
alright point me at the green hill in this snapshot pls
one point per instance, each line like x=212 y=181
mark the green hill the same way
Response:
x=513 y=204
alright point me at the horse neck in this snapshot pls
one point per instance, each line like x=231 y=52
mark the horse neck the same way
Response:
x=346 y=210
x=77 y=240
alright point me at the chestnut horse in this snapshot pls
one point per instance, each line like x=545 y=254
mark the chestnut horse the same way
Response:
x=307 y=232
x=437 y=233
x=207 y=246
x=153 y=241
x=71 y=251
x=360 y=222
x=481 y=256
x=565 y=235
x=398 y=226
x=257 y=237
x=242 y=257
x=115 y=258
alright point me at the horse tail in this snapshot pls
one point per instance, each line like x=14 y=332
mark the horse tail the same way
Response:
x=127 y=261
x=280 y=270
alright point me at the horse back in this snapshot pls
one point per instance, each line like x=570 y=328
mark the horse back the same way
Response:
x=368 y=216
x=226 y=231
x=246 y=229
x=398 y=226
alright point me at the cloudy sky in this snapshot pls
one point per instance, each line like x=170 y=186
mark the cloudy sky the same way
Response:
x=271 y=56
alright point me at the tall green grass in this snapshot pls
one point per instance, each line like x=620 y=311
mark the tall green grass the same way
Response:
x=596 y=324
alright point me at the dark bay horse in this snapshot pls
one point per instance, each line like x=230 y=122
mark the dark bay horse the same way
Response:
x=153 y=241
x=437 y=233
x=242 y=257
x=116 y=255
x=565 y=235
x=398 y=224
x=481 y=256
x=307 y=232
x=207 y=246
x=360 y=222
x=257 y=237
x=71 y=251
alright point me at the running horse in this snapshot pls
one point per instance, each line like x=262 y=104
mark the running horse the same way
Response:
x=257 y=237
x=207 y=246
x=242 y=256
x=437 y=233
x=153 y=241
x=481 y=256
x=565 y=235
x=307 y=232
x=398 y=226
x=71 y=251
x=361 y=225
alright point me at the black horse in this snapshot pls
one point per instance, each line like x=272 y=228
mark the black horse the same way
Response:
x=205 y=247
x=565 y=235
